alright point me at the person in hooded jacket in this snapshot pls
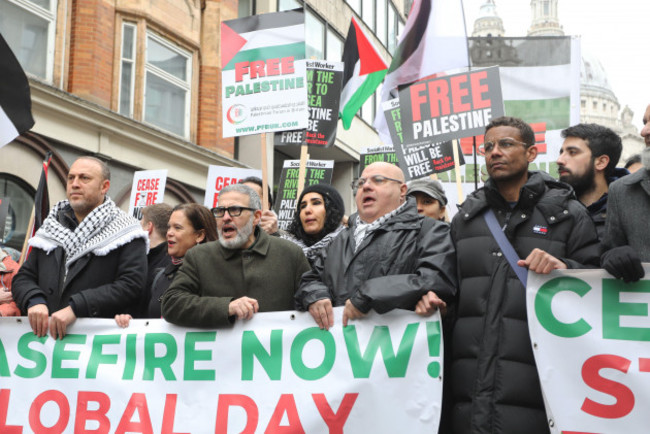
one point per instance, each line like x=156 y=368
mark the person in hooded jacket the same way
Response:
x=495 y=387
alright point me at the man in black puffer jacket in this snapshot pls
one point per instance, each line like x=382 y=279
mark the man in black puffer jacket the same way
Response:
x=390 y=256
x=494 y=380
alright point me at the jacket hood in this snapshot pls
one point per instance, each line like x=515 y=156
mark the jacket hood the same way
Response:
x=540 y=190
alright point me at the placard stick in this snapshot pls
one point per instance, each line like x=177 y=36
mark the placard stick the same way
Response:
x=267 y=140
x=304 y=156
x=459 y=186
x=30 y=229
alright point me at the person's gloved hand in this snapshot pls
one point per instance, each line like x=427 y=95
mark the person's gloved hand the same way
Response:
x=623 y=263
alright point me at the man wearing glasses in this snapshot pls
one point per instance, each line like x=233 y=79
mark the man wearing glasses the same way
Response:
x=245 y=272
x=540 y=227
x=389 y=257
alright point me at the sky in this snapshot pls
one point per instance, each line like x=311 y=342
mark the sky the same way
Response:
x=616 y=31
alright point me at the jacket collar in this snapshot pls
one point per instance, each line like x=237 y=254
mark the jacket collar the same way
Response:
x=533 y=193
x=260 y=246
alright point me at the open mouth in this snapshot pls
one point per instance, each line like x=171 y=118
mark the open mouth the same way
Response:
x=368 y=200
x=228 y=231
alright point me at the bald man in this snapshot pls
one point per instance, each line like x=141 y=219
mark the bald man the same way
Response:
x=389 y=257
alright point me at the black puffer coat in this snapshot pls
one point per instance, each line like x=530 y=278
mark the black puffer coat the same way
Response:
x=392 y=268
x=494 y=381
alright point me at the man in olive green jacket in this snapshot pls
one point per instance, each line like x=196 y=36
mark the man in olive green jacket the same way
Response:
x=245 y=272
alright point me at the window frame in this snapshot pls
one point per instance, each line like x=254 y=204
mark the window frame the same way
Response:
x=134 y=50
x=47 y=15
x=166 y=76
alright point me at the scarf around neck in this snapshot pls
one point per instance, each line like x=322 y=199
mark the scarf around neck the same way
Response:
x=105 y=229
x=363 y=229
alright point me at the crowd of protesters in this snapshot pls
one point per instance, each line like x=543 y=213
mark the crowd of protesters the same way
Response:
x=210 y=268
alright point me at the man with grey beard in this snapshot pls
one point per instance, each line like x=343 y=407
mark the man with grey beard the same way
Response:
x=245 y=272
x=627 y=239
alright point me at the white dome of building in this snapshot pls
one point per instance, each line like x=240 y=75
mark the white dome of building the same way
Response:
x=598 y=103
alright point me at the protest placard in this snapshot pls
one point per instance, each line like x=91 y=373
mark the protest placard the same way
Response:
x=450 y=107
x=264 y=84
x=591 y=340
x=420 y=158
x=277 y=372
x=374 y=154
x=223 y=176
x=317 y=172
x=324 y=93
x=148 y=188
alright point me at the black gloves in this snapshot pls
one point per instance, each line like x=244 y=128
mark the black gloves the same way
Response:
x=623 y=263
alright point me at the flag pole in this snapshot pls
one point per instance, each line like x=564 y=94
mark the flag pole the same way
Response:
x=469 y=68
x=30 y=227
x=459 y=186
x=266 y=138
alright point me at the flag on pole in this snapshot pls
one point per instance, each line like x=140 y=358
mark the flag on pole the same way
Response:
x=41 y=207
x=363 y=71
x=15 y=100
x=434 y=40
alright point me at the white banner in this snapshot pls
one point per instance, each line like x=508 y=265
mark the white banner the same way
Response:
x=591 y=339
x=274 y=373
x=148 y=188
x=223 y=176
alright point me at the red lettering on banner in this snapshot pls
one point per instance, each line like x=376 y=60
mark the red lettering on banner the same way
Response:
x=222 y=182
x=137 y=402
x=591 y=376
x=148 y=184
x=84 y=414
x=243 y=401
x=479 y=89
x=261 y=68
x=439 y=98
x=286 y=404
x=458 y=93
x=169 y=414
x=4 y=410
x=540 y=136
x=417 y=99
x=35 y=412
x=335 y=421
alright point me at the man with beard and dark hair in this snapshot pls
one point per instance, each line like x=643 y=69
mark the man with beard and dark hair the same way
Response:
x=587 y=162
x=627 y=239
x=246 y=271
x=495 y=386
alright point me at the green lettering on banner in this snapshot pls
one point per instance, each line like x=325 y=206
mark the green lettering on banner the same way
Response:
x=39 y=359
x=129 y=364
x=60 y=354
x=544 y=312
x=193 y=355
x=298 y=345
x=396 y=364
x=164 y=362
x=97 y=357
x=271 y=361
x=614 y=308
x=4 y=363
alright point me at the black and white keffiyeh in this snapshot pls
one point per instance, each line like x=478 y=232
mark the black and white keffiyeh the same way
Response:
x=311 y=251
x=362 y=229
x=105 y=229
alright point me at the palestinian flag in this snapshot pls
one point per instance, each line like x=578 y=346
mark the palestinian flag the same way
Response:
x=540 y=76
x=15 y=99
x=433 y=41
x=41 y=206
x=363 y=71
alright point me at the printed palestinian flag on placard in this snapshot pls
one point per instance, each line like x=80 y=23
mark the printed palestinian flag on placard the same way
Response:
x=263 y=73
x=15 y=98
x=363 y=72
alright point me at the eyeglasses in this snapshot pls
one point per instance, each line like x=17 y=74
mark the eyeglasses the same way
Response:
x=375 y=180
x=505 y=144
x=234 y=211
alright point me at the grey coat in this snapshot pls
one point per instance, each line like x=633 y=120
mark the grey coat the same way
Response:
x=392 y=268
x=628 y=214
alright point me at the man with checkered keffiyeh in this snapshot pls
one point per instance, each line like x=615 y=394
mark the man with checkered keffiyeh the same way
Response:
x=88 y=258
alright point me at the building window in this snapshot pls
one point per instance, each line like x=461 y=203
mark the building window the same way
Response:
x=315 y=36
x=245 y=8
x=368 y=13
x=382 y=23
x=392 y=29
x=355 y=5
x=168 y=72
x=127 y=74
x=286 y=5
x=334 y=44
x=28 y=27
